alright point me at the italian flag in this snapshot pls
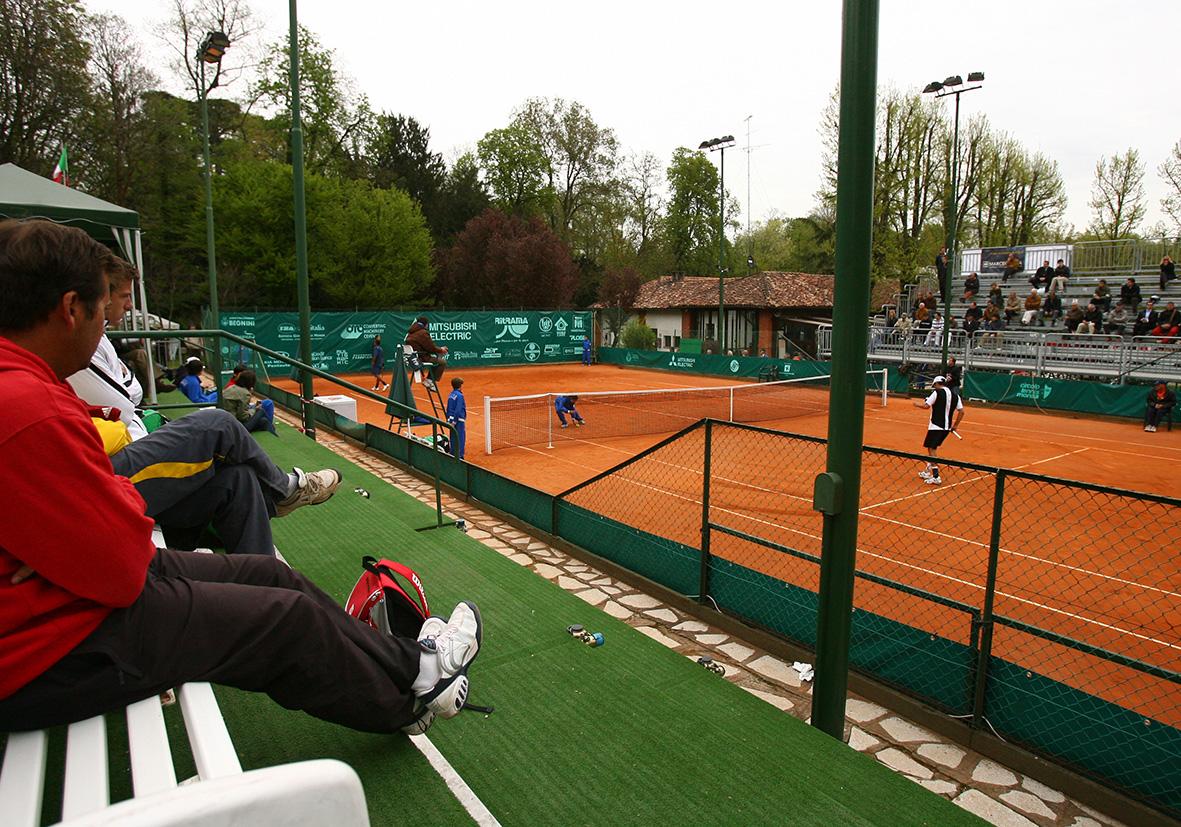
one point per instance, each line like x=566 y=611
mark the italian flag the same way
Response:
x=61 y=172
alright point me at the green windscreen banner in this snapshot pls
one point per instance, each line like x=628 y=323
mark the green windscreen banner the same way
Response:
x=1058 y=394
x=342 y=342
x=711 y=364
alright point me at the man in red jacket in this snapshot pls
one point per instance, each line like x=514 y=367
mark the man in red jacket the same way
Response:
x=93 y=617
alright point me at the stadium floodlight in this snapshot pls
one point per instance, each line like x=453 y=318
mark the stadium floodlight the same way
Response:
x=951 y=86
x=213 y=47
x=721 y=144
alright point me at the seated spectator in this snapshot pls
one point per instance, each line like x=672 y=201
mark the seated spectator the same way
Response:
x=996 y=296
x=931 y=302
x=1146 y=320
x=1012 y=307
x=922 y=319
x=970 y=324
x=1117 y=320
x=1092 y=321
x=935 y=334
x=1160 y=403
x=1168 y=272
x=904 y=327
x=974 y=311
x=1101 y=296
x=1061 y=274
x=1033 y=305
x=1012 y=267
x=1129 y=294
x=234 y=374
x=1051 y=308
x=192 y=387
x=992 y=318
x=1040 y=280
x=95 y=617
x=254 y=416
x=1074 y=317
x=891 y=318
x=971 y=286
x=432 y=355
x=1168 y=322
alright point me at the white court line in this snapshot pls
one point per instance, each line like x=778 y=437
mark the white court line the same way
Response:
x=459 y=788
x=932 y=488
x=905 y=564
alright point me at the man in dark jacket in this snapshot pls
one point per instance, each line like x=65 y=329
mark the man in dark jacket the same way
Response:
x=1160 y=403
x=1041 y=279
x=419 y=338
x=1129 y=294
x=1168 y=321
x=1146 y=320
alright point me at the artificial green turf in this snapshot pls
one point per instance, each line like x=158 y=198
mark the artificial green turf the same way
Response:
x=628 y=733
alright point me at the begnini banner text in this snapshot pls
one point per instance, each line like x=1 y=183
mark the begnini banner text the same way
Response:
x=342 y=342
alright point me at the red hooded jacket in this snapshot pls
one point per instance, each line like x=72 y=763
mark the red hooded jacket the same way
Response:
x=64 y=513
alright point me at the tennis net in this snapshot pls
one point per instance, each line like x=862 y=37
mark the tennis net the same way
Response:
x=531 y=420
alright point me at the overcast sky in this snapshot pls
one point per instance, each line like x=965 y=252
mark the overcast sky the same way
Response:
x=1073 y=80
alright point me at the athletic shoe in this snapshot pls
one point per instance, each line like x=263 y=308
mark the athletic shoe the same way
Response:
x=934 y=481
x=925 y=474
x=1151 y=429
x=565 y=424
x=312 y=489
x=456 y=646
x=429 y=383
x=424 y=716
x=578 y=423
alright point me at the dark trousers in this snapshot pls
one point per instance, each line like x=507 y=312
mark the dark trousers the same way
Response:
x=1155 y=416
x=206 y=468
x=243 y=621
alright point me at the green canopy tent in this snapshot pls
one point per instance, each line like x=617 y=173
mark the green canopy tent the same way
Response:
x=24 y=194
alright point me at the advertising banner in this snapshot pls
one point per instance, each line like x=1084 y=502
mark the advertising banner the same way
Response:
x=992 y=259
x=744 y=367
x=342 y=342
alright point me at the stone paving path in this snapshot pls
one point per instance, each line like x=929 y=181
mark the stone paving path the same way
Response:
x=995 y=793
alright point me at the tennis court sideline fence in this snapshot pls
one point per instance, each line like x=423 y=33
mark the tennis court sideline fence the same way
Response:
x=1039 y=608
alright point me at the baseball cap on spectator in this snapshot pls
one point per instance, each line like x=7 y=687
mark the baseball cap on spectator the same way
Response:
x=938 y=380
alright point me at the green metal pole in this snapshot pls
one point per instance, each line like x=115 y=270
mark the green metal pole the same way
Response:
x=859 y=48
x=952 y=222
x=210 y=248
x=984 y=655
x=301 y=230
x=722 y=252
x=703 y=586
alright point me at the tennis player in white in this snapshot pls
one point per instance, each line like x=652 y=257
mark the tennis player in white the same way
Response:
x=947 y=409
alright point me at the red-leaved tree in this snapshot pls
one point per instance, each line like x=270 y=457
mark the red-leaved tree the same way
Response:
x=500 y=260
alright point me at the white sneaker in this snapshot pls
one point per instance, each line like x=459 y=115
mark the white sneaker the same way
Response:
x=456 y=646
x=424 y=716
x=312 y=489
x=934 y=481
x=925 y=474
x=1151 y=429
x=429 y=383
x=565 y=424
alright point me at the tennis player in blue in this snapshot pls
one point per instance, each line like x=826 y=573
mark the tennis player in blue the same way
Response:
x=586 y=351
x=457 y=416
x=564 y=405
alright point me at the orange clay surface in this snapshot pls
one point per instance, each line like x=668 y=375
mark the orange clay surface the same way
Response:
x=1083 y=565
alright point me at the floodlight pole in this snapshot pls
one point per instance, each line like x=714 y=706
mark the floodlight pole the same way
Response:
x=721 y=145
x=210 y=248
x=838 y=490
x=301 y=230
x=952 y=214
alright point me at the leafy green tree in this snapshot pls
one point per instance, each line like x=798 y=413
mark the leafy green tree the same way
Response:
x=690 y=225
x=515 y=169
x=367 y=247
x=1117 y=196
x=398 y=155
x=462 y=197
x=617 y=293
x=502 y=260
x=335 y=117
x=638 y=336
x=44 y=86
x=1170 y=173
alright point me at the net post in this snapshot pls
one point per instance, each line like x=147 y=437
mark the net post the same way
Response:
x=885 y=387
x=549 y=421
x=487 y=424
x=986 y=625
x=731 y=406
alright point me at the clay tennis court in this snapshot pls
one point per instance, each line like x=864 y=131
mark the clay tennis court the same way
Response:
x=1090 y=568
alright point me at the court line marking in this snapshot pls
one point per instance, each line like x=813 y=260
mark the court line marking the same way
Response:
x=931 y=572
x=455 y=783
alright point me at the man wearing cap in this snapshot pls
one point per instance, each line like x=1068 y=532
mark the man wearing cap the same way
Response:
x=1160 y=403
x=419 y=339
x=191 y=386
x=947 y=409
x=457 y=416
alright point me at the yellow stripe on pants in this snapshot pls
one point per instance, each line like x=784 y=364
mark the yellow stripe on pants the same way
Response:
x=171 y=470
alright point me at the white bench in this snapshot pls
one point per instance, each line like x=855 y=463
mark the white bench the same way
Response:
x=308 y=792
